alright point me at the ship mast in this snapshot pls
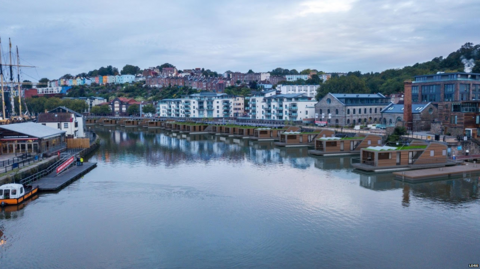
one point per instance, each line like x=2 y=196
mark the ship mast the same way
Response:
x=19 y=85
x=11 y=76
x=1 y=79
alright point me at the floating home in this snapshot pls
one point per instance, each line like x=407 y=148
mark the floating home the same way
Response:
x=132 y=123
x=91 y=122
x=152 y=124
x=417 y=155
x=329 y=145
x=110 y=122
x=297 y=139
x=268 y=134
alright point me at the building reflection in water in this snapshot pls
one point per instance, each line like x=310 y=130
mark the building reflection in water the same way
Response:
x=452 y=191
x=157 y=147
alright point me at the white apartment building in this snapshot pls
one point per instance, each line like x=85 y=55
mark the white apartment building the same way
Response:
x=50 y=90
x=199 y=105
x=282 y=107
x=296 y=77
x=309 y=90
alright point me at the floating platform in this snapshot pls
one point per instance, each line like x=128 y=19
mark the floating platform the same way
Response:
x=281 y=144
x=53 y=183
x=338 y=153
x=371 y=168
x=442 y=173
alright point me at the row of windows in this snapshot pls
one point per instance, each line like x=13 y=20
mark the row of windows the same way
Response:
x=354 y=111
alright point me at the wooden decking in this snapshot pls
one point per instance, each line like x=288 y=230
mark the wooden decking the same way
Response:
x=333 y=153
x=371 y=168
x=52 y=182
x=436 y=173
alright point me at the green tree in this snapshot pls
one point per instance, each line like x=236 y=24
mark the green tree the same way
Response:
x=133 y=110
x=52 y=103
x=343 y=84
x=43 y=83
x=130 y=70
x=148 y=109
x=101 y=110
x=27 y=84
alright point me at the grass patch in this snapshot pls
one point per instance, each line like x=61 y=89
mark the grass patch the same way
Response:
x=412 y=147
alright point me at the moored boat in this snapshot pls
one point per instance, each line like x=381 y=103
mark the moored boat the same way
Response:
x=14 y=194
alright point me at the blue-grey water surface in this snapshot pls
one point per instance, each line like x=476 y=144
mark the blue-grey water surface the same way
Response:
x=159 y=201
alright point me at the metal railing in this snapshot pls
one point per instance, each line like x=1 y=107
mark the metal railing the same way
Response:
x=44 y=172
x=20 y=163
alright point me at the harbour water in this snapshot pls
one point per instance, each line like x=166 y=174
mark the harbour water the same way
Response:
x=162 y=201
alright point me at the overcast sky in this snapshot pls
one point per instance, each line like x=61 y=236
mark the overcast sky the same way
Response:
x=62 y=37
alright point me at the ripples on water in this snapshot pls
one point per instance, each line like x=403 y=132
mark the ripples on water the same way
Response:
x=163 y=201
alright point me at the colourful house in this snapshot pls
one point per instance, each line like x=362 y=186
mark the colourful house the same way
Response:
x=104 y=79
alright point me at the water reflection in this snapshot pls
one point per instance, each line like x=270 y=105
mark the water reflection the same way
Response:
x=453 y=191
x=157 y=147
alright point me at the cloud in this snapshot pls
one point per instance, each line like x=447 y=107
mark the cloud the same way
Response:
x=345 y=35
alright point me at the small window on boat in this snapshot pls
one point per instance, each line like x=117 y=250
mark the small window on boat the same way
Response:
x=1 y=192
x=369 y=142
x=21 y=190
x=379 y=142
x=444 y=152
x=432 y=153
x=14 y=192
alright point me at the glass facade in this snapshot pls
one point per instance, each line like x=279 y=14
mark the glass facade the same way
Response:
x=464 y=92
x=414 y=94
x=431 y=93
x=449 y=92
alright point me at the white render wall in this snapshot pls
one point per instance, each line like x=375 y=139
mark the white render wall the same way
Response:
x=308 y=90
x=192 y=105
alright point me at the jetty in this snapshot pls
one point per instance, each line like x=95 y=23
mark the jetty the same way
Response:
x=54 y=182
x=441 y=173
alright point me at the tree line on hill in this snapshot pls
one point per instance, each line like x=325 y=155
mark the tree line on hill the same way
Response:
x=392 y=80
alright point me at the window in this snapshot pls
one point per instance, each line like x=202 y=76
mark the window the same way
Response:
x=14 y=192
x=336 y=111
x=320 y=111
x=59 y=126
x=329 y=101
x=432 y=153
x=430 y=111
x=365 y=111
x=464 y=92
x=370 y=110
x=430 y=93
x=384 y=156
x=375 y=110
x=359 y=111
x=328 y=111
x=449 y=91
x=65 y=125
x=348 y=111
x=415 y=93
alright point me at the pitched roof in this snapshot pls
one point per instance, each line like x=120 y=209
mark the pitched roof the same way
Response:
x=354 y=95
x=61 y=109
x=398 y=108
x=55 y=117
x=32 y=129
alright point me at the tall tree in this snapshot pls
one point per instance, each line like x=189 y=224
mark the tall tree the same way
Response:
x=130 y=70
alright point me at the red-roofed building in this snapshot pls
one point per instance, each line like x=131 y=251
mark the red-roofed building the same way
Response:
x=119 y=105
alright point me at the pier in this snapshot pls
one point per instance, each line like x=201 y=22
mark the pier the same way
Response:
x=54 y=182
x=441 y=173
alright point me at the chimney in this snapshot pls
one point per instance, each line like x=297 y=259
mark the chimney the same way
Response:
x=407 y=105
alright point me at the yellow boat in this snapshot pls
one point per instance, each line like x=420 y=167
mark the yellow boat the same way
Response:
x=14 y=194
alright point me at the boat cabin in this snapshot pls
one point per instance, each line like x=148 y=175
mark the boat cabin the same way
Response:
x=11 y=191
